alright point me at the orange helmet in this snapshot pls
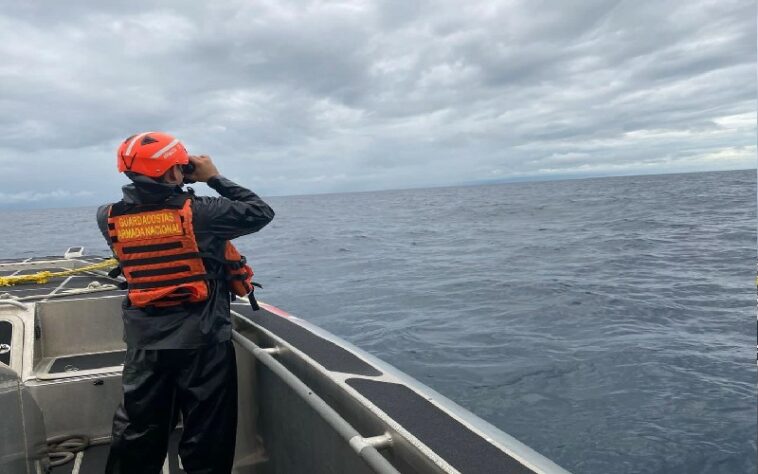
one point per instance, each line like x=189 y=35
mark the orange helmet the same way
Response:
x=150 y=154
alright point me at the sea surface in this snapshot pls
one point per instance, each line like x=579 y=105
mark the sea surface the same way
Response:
x=608 y=323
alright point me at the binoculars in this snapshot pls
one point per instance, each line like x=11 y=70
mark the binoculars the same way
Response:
x=187 y=169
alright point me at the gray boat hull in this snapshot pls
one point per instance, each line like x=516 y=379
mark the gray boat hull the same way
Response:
x=308 y=400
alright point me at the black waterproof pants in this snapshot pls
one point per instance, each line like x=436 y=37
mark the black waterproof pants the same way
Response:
x=199 y=383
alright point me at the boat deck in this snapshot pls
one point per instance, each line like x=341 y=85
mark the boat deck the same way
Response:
x=429 y=433
x=456 y=443
x=93 y=460
x=55 y=287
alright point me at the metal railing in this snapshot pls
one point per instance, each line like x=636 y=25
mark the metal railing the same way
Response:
x=366 y=448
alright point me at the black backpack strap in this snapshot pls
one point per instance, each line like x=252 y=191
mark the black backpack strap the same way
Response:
x=115 y=272
x=118 y=209
x=253 y=301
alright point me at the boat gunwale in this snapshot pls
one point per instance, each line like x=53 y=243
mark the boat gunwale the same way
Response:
x=504 y=442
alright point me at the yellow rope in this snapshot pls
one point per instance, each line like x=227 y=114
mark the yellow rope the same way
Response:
x=43 y=277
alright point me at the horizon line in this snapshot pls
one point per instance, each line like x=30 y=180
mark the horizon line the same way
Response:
x=481 y=182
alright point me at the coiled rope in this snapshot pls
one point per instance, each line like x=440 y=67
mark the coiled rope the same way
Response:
x=62 y=449
x=44 y=276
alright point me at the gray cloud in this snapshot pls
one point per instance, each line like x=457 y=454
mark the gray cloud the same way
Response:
x=301 y=97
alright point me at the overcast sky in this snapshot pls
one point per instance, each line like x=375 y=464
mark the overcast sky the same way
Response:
x=311 y=97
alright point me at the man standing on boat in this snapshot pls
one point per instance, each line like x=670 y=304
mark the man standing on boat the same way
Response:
x=174 y=251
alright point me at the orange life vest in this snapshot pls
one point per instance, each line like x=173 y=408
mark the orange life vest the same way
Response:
x=158 y=253
x=159 y=257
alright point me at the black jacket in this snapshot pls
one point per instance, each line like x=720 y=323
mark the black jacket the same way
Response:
x=215 y=220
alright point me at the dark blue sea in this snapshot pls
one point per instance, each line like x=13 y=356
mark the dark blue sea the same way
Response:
x=608 y=323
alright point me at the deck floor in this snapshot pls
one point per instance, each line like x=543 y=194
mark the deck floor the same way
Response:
x=58 y=285
x=93 y=460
